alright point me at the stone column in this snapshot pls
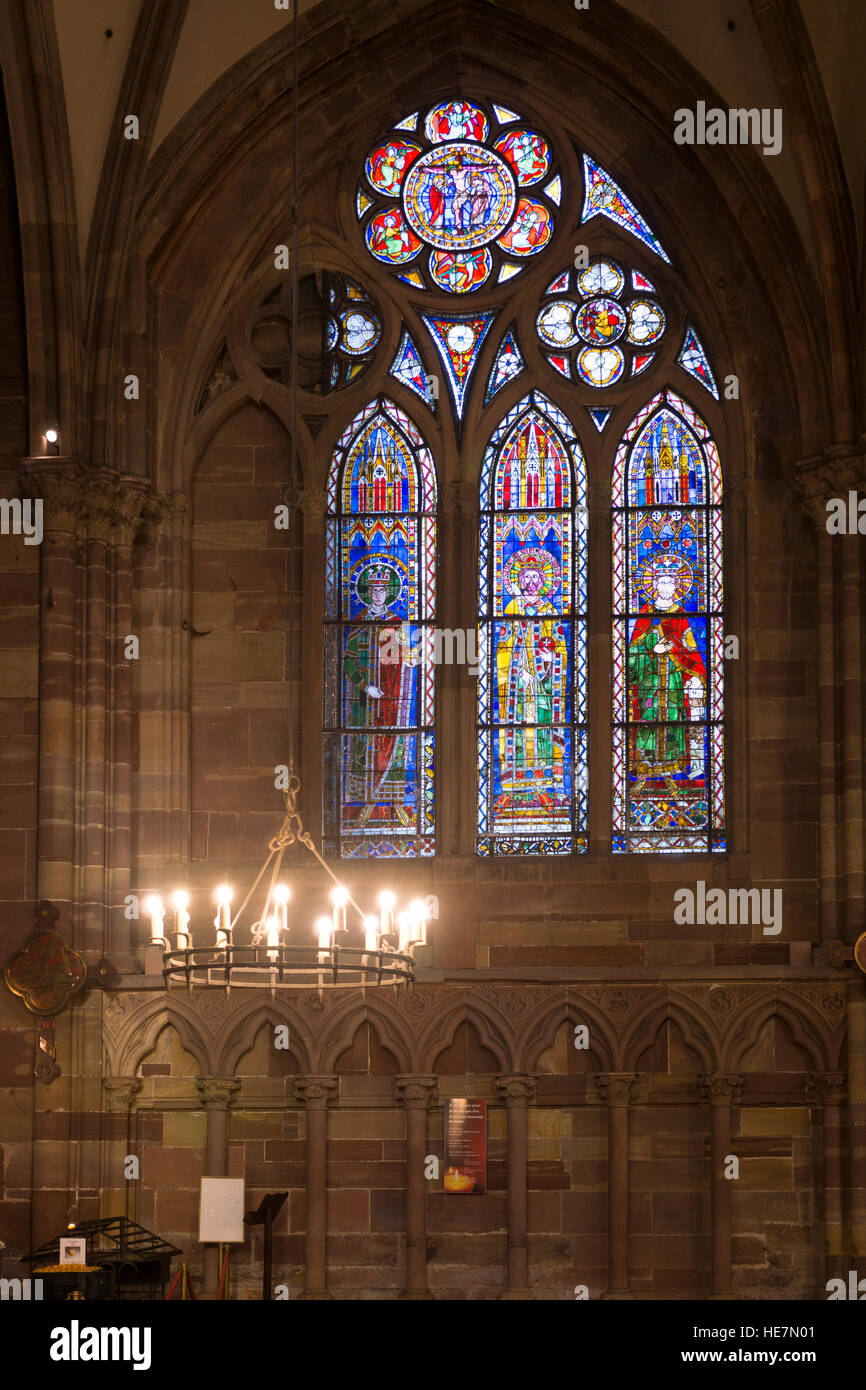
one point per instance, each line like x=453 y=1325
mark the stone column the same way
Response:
x=120 y=1093
x=723 y=1091
x=59 y=484
x=517 y=1090
x=857 y=1115
x=828 y=1092
x=216 y=1093
x=316 y=1092
x=456 y=607
x=416 y=1093
x=617 y=1088
x=313 y=506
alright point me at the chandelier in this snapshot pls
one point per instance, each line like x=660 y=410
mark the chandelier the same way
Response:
x=377 y=949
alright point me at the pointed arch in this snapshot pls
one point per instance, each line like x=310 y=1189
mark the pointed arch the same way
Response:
x=532 y=716
x=380 y=602
x=668 y=634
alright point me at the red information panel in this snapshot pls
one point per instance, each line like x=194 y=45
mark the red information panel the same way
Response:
x=466 y=1146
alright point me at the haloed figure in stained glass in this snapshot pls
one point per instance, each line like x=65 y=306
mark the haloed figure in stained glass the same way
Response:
x=531 y=662
x=378 y=691
x=667 y=677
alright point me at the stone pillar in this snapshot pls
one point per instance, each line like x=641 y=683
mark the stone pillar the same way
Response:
x=851 y=695
x=828 y=1092
x=857 y=1115
x=120 y=1093
x=58 y=482
x=617 y=1088
x=313 y=506
x=216 y=1093
x=416 y=1093
x=723 y=1091
x=456 y=607
x=517 y=1091
x=316 y=1092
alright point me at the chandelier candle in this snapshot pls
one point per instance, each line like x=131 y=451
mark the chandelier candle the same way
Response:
x=223 y=921
x=281 y=900
x=386 y=903
x=156 y=912
x=273 y=937
x=339 y=898
x=182 y=935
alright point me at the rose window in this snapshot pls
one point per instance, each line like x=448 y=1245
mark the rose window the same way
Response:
x=459 y=198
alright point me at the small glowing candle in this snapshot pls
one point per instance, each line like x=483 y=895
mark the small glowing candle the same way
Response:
x=386 y=903
x=281 y=900
x=182 y=936
x=273 y=937
x=324 y=927
x=419 y=918
x=371 y=933
x=223 y=920
x=339 y=897
x=156 y=912
x=404 y=922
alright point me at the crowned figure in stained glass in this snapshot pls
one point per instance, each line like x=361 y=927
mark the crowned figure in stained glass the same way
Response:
x=378 y=694
x=531 y=662
x=667 y=680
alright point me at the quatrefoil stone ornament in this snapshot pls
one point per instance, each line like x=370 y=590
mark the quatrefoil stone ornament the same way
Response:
x=46 y=973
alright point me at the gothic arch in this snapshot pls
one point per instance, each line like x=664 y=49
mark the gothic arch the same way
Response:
x=807 y=1029
x=648 y=1019
x=438 y=1032
x=138 y=1034
x=344 y=1022
x=238 y=1034
x=541 y=1027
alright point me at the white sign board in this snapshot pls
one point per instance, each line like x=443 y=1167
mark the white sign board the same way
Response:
x=221 y=1210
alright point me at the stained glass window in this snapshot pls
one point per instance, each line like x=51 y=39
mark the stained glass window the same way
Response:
x=380 y=573
x=464 y=195
x=532 y=746
x=668 y=634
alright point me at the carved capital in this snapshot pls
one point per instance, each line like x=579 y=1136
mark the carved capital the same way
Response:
x=120 y=1091
x=829 y=474
x=516 y=1089
x=217 y=1092
x=617 y=1087
x=59 y=484
x=828 y=1087
x=416 y=1092
x=316 y=1091
x=313 y=501
x=721 y=1087
x=116 y=506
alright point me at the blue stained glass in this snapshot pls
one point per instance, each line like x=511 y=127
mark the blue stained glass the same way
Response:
x=532 y=649
x=408 y=368
x=378 y=700
x=507 y=364
x=667 y=676
x=604 y=195
x=598 y=417
x=694 y=360
x=458 y=339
